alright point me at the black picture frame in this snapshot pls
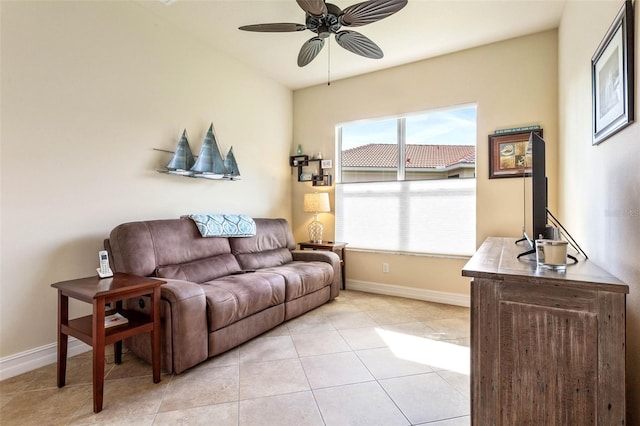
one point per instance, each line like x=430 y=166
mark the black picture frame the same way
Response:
x=510 y=154
x=612 y=77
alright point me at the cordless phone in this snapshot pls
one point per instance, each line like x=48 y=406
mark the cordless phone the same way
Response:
x=104 y=271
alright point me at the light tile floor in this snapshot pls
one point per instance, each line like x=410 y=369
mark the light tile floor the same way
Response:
x=362 y=359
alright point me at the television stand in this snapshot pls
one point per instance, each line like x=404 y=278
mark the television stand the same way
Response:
x=533 y=250
x=532 y=244
x=525 y=253
x=570 y=240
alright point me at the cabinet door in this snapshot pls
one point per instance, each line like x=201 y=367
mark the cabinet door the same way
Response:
x=548 y=365
x=546 y=354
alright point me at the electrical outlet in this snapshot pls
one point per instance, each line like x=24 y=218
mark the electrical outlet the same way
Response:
x=385 y=268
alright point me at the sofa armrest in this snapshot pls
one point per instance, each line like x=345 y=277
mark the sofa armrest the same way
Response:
x=176 y=290
x=184 y=331
x=184 y=322
x=323 y=256
x=187 y=308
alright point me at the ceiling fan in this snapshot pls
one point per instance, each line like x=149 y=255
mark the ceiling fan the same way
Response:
x=325 y=19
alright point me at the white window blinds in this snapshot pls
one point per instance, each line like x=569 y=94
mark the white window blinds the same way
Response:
x=427 y=216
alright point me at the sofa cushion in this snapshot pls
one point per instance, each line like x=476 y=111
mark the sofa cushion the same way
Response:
x=303 y=278
x=201 y=270
x=271 y=246
x=266 y=259
x=235 y=297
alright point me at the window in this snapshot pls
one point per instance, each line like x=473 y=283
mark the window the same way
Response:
x=407 y=184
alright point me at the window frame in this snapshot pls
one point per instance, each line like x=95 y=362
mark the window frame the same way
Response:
x=401 y=141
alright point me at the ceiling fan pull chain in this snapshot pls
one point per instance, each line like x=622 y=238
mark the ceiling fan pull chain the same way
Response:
x=329 y=62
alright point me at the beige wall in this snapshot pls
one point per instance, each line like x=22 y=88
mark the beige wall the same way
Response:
x=600 y=185
x=513 y=83
x=88 y=90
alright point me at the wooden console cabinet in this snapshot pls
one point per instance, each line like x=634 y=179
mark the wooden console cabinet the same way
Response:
x=547 y=348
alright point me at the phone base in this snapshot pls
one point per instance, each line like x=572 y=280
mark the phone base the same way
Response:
x=101 y=275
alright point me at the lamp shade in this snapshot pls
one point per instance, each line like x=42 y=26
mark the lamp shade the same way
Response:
x=317 y=202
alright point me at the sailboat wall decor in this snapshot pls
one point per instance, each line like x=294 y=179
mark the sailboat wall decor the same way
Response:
x=231 y=166
x=182 y=159
x=209 y=163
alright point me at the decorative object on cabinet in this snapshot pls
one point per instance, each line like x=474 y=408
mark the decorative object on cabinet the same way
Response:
x=612 y=77
x=319 y=179
x=317 y=202
x=510 y=154
x=209 y=163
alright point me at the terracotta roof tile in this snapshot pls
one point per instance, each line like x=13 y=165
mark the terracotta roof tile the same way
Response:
x=418 y=156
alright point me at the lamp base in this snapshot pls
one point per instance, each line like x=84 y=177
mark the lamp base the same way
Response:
x=316 y=228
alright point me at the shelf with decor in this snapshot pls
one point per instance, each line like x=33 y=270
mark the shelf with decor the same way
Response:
x=301 y=161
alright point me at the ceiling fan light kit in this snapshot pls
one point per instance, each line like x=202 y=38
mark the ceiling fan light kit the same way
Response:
x=325 y=19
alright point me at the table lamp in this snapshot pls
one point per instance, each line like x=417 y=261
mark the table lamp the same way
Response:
x=315 y=203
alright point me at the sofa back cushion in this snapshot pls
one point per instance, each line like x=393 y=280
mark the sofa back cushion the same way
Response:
x=141 y=247
x=271 y=246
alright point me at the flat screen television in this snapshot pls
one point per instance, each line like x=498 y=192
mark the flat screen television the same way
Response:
x=538 y=187
x=538 y=193
x=540 y=214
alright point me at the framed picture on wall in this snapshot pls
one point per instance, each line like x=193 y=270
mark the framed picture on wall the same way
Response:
x=510 y=154
x=612 y=77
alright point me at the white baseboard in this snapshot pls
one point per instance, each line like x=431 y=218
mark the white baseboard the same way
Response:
x=410 y=292
x=23 y=362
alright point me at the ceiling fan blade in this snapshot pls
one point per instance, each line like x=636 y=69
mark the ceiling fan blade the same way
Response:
x=313 y=7
x=282 y=27
x=310 y=50
x=358 y=44
x=370 y=11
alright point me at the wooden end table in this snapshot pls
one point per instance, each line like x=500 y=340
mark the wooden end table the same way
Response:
x=90 y=329
x=334 y=246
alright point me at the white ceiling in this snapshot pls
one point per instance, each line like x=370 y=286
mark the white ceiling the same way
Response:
x=423 y=29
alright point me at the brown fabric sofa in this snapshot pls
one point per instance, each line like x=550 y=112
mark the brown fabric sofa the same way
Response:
x=220 y=292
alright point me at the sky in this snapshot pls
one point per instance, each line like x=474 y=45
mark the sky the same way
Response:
x=451 y=126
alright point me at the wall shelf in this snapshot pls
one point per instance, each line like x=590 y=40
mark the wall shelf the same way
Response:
x=301 y=161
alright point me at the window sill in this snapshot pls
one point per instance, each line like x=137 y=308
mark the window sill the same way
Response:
x=409 y=253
